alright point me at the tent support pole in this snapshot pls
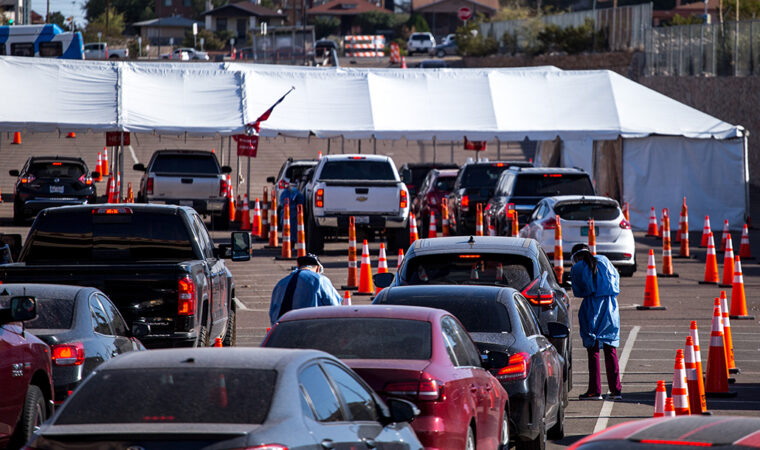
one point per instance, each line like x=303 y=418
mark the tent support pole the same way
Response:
x=498 y=149
x=237 y=172
x=248 y=181
x=435 y=150
x=121 y=166
x=374 y=145
x=452 y=151
x=229 y=149
x=359 y=144
x=747 y=217
x=328 y=145
x=342 y=145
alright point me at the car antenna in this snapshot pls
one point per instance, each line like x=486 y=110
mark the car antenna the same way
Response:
x=471 y=240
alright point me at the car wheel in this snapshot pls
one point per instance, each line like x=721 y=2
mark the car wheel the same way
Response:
x=504 y=433
x=202 y=340
x=32 y=416
x=441 y=54
x=230 y=337
x=315 y=242
x=558 y=430
x=470 y=444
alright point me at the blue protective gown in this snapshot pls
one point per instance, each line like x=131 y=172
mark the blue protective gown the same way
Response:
x=598 y=316
x=312 y=289
x=295 y=198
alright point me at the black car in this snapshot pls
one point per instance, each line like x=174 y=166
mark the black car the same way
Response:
x=522 y=188
x=475 y=184
x=412 y=174
x=500 y=319
x=47 y=181
x=227 y=398
x=81 y=326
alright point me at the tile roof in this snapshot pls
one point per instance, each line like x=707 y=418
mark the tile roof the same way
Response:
x=345 y=8
x=173 y=21
x=252 y=9
x=422 y=4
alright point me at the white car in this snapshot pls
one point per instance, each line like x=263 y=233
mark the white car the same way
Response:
x=186 y=54
x=420 y=43
x=614 y=238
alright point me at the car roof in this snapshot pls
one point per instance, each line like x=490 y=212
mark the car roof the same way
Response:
x=542 y=170
x=374 y=311
x=446 y=292
x=579 y=198
x=56 y=158
x=500 y=161
x=183 y=152
x=351 y=156
x=56 y=291
x=447 y=172
x=302 y=162
x=469 y=244
x=431 y=165
x=142 y=207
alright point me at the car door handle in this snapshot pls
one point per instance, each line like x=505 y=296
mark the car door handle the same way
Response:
x=370 y=442
x=327 y=443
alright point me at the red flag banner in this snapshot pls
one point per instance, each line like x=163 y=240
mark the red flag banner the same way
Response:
x=246 y=145
x=477 y=146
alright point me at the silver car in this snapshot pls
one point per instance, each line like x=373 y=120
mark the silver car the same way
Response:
x=614 y=238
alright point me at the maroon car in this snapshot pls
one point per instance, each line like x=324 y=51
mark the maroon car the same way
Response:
x=420 y=354
x=437 y=185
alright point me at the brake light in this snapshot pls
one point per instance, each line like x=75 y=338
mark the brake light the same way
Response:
x=283 y=184
x=549 y=224
x=223 y=187
x=357 y=157
x=538 y=295
x=57 y=164
x=517 y=369
x=403 y=200
x=430 y=390
x=186 y=296
x=319 y=200
x=106 y=211
x=149 y=186
x=469 y=256
x=498 y=165
x=84 y=179
x=28 y=179
x=675 y=442
x=426 y=389
x=624 y=224
x=552 y=175
x=71 y=354
x=465 y=202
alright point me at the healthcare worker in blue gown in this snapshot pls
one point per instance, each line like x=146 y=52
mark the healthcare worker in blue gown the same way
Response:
x=597 y=281
x=303 y=288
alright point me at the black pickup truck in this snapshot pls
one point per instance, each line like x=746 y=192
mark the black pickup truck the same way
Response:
x=157 y=263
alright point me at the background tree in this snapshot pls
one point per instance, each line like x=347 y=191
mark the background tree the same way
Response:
x=418 y=23
x=325 y=26
x=58 y=19
x=115 y=26
x=132 y=10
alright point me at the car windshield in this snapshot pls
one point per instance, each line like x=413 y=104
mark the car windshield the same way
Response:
x=56 y=169
x=482 y=175
x=195 y=164
x=53 y=314
x=82 y=237
x=172 y=395
x=357 y=337
x=496 y=269
x=357 y=170
x=548 y=184
x=585 y=211
x=477 y=314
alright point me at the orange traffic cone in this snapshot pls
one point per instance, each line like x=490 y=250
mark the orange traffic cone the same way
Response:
x=559 y=263
x=117 y=192
x=218 y=342
x=245 y=216
x=627 y=212
x=660 y=395
x=265 y=214
x=651 y=291
x=413 y=235
x=667 y=254
x=16 y=138
x=693 y=380
x=352 y=282
x=684 y=231
x=728 y=340
x=231 y=203
x=105 y=162
x=99 y=168
x=273 y=235
x=479 y=220
x=726 y=234
x=286 y=250
x=130 y=193
x=444 y=217
x=256 y=223
x=670 y=410
x=347 y=298
x=694 y=335
x=716 y=384
x=300 y=233
x=738 y=298
x=652 y=228
x=491 y=228
x=319 y=155
x=744 y=250
x=679 y=389
x=403 y=62
x=110 y=190
x=728 y=264
x=433 y=228
x=71 y=135
x=382 y=265
x=592 y=236
x=711 y=263
x=400 y=259
x=706 y=230
x=665 y=214
x=515 y=223
x=366 y=286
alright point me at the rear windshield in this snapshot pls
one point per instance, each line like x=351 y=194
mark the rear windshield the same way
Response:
x=196 y=164
x=420 y=37
x=357 y=170
x=482 y=175
x=477 y=314
x=492 y=269
x=172 y=395
x=445 y=184
x=54 y=169
x=549 y=184
x=83 y=237
x=585 y=211
x=357 y=338
x=53 y=314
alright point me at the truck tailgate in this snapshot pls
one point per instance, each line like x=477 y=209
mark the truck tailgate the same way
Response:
x=199 y=187
x=365 y=198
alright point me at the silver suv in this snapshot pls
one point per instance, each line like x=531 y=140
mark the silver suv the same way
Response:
x=420 y=43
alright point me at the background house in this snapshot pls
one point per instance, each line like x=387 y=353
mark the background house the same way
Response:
x=241 y=17
x=346 y=11
x=441 y=15
x=160 y=31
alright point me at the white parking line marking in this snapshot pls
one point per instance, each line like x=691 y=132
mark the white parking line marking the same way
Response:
x=604 y=414
x=240 y=305
x=132 y=152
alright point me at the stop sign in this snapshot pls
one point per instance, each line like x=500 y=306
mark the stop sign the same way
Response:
x=464 y=13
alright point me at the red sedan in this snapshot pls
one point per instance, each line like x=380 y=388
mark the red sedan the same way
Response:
x=421 y=354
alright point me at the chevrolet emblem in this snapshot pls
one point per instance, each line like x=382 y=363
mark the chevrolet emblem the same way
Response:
x=361 y=199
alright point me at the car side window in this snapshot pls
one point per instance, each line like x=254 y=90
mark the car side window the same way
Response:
x=320 y=394
x=117 y=322
x=506 y=186
x=99 y=317
x=526 y=316
x=464 y=355
x=204 y=239
x=358 y=400
x=305 y=406
x=546 y=266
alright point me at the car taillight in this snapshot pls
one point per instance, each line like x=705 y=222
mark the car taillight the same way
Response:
x=283 y=184
x=108 y=211
x=28 y=179
x=319 y=200
x=465 y=202
x=186 y=296
x=264 y=447
x=223 y=187
x=403 y=200
x=517 y=369
x=149 y=186
x=549 y=224
x=624 y=224
x=71 y=354
x=537 y=294
x=426 y=389
x=430 y=390
x=84 y=179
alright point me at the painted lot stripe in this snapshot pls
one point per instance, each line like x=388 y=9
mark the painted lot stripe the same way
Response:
x=240 y=305
x=604 y=414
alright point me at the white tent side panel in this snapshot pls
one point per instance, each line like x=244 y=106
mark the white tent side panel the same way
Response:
x=579 y=154
x=660 y=170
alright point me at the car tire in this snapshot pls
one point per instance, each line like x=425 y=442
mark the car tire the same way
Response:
x=441 y=54
x=539 y=443
x=230 y=336
x=202 y=340
x=558 y=430
x=32 y=416
x=315 y=241
x=504 y=432
x=469 y=444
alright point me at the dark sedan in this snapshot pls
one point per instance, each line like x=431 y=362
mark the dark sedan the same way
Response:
x=228 y=398
x=81 y=326
x=47 y=181
x=500 y=319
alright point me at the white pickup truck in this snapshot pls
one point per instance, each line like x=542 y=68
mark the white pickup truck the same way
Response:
x=366 y=187
x=100 y=50
x=187 y=178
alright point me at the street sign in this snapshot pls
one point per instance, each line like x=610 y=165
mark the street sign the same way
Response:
x=477 y=146
x=195 y=28
x=464 y=13
x=246 y=145
x=113 y=138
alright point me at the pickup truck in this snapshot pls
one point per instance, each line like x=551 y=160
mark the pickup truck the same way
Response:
x=100 y=50
x=157 y=264
x=187 y=178
x=367 y=187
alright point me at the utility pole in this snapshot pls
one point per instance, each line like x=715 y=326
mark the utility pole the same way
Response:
x=47 y=14
x=108 y=8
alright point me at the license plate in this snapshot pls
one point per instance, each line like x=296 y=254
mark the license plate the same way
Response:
x=584 y=231
x=186 y=203
x=361 y=219
x=56 y=189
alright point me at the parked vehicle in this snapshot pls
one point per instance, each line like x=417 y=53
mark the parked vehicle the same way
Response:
x=26 y=378
x=614 y=238
x=364 y=186
x=523 y=188
x=413 y=174
x=187 y=178
x=157 y=263
x=500 y=319
x=437 y=186
x=446 y=48
x=100 y=50
x=475 y=184
x=186 y=54
x=494 y=261
x=44 y=41
x=291 y=171
x=47 y=181
x=433 y=64
x=420 y=354
x=81 y=326
x=227 y=398
x=420 y=43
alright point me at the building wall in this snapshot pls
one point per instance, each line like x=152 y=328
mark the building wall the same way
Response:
x=168 y=8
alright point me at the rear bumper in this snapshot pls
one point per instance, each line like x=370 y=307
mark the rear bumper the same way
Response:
x=373 y=222
x=169 y=341
x=522 y=409
x=202 y=206
x=436 y=432
x=35 y=205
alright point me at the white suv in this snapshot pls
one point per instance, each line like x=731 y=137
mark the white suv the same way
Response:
x=420 y=42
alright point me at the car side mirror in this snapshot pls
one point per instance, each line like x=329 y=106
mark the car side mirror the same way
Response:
x=401 y=410
x=140 y=167
x=140 y=329
x=14 y=172
x=226 y=169
x=495 y=360
x=23 y=308
x=558 y=330
x=383 y=280
x=270 y=180
x=241 y=246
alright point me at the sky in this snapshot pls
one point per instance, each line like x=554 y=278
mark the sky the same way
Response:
x=66 y=7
